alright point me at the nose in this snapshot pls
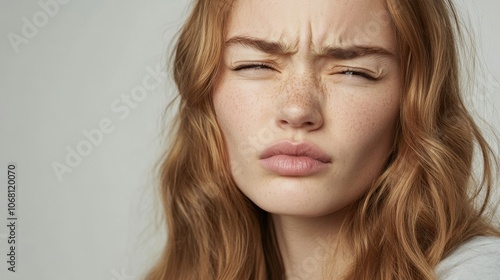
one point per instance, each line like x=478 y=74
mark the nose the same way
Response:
x=300 y=106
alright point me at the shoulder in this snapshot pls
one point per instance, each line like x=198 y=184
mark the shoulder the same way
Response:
x=477 y=258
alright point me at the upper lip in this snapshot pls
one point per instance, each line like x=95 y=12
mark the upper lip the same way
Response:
x=295 y=149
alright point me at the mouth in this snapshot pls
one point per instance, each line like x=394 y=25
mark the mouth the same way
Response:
x=294 y=159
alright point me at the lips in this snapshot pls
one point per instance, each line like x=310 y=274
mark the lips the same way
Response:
x=294 y=159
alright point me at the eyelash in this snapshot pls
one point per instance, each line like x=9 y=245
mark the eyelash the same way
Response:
x=359 y=73
x=262 y=66
x=255 y=66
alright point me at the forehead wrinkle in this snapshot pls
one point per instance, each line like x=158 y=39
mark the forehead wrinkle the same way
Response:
x=341 y=46
x=289 y=41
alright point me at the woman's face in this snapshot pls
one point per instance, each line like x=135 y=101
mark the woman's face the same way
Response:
x=308 y=101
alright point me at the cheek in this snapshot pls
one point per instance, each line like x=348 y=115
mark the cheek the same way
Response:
x=372 y=125
x=364 y=118
x=363 y=128
x=229 y=110
x=236 y=114
x=243 y=110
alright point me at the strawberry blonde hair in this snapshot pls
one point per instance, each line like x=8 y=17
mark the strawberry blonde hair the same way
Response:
x=424 y=204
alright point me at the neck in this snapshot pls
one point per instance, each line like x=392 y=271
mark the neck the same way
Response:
x=307 y=244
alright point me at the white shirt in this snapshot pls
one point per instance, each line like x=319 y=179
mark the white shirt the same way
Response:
x=478 y=258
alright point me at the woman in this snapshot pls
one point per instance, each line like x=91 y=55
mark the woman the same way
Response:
x=324 y=139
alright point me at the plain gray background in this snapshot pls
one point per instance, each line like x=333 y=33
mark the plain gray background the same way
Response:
x=88 y=65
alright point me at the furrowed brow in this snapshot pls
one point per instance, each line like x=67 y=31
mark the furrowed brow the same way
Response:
x=353 y=52
x=269 y=47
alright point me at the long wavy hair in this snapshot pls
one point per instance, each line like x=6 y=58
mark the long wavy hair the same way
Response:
x=424 y=204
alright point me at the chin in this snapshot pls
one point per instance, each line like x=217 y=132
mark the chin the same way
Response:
x=298 y=198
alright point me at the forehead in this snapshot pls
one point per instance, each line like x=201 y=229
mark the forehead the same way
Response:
x=313 y=23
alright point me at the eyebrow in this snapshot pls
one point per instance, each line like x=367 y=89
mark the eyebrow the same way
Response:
x=341 y=53
x=353 y=52
x=259 y=44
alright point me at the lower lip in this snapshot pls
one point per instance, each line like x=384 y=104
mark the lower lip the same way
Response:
x=286 y=165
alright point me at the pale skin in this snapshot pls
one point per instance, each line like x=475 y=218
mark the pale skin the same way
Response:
x=323 y=72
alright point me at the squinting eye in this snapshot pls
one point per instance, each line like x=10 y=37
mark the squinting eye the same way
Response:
x=360 y=74
x=258 y=66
